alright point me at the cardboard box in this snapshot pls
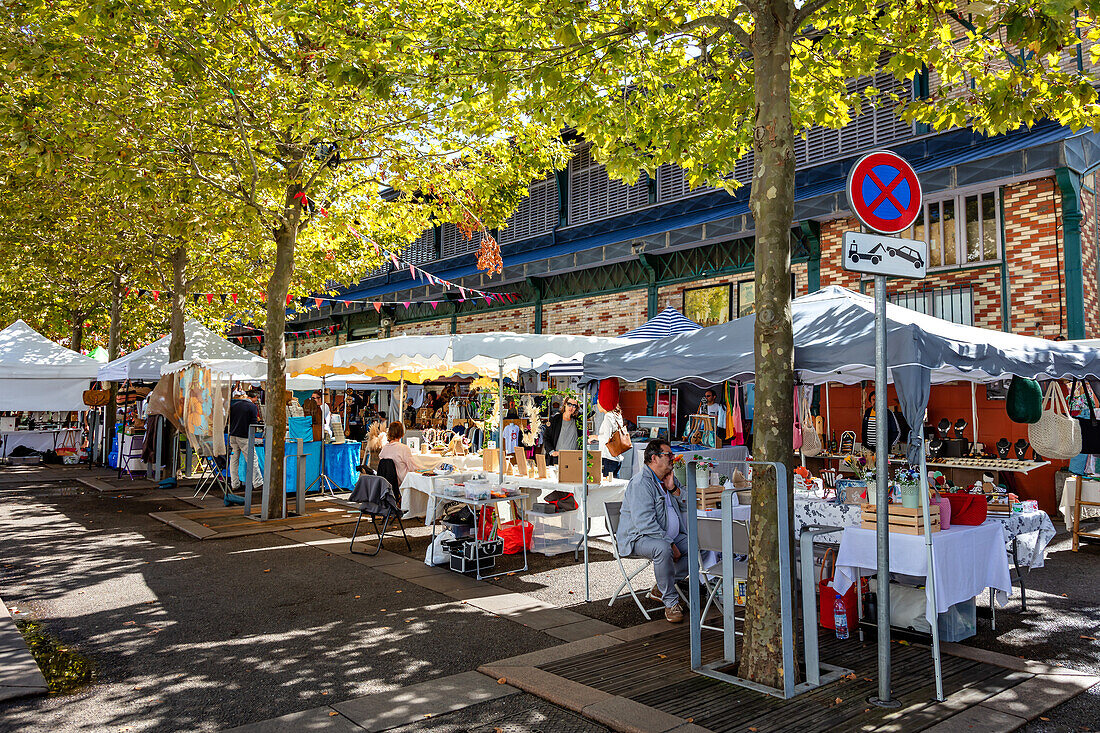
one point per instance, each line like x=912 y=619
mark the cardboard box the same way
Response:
x=569 y=467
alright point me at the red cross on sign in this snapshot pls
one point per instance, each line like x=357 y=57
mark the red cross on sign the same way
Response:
x=884 y=192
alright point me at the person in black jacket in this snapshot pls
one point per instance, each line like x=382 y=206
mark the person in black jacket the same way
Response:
x=562 y=432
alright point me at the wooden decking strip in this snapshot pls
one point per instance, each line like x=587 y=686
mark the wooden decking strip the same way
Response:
x=655 y=671
x=224 y=522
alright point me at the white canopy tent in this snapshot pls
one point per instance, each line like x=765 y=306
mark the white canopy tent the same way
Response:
x=145 y=363
x=37 y=374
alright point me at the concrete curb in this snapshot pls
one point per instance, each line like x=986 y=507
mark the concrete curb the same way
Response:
x=19 y=673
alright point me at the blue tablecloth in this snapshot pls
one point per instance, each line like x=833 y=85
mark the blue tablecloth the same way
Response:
x=341 y=464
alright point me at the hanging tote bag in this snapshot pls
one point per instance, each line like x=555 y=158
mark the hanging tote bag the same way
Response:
x=1024 y=403
x=1087 y=417
x=1056 y=435
x=797 y=423
x=811 y=441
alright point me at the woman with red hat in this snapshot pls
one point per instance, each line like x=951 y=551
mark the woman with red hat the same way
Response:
x=611 y=425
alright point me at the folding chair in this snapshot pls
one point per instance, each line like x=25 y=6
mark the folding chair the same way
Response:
x=137 y=447
x=710 y=539
x=377 y=497
x=612 y=510
x=212 y=475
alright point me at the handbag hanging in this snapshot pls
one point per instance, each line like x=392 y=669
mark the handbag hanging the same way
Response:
x=811 y=441
x=797 y=423
x=1057 y=435
x=1024 y=402
x=1087 y=419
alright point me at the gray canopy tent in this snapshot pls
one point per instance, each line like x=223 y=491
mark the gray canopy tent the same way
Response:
x=834 y=338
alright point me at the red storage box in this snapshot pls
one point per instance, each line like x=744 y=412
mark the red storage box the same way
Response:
x=967 y=508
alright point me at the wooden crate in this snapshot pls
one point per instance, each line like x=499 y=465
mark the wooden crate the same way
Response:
x=708 y=497
x=902 y=519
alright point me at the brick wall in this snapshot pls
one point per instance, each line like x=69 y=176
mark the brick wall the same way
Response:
x=517 y=320
x=1089 y=256
x=673 y=295
x=440 y=327
x=599 y=315
x=1033 y=241
x=302 y=346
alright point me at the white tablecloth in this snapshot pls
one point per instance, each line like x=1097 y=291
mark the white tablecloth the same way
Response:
x=1090 y=491
x=1033 y=530
x=39 y=440
x=429 y=461
x=416 y=492
x=967 y=561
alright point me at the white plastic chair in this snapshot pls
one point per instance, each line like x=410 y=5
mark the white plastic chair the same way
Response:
x=611 y=511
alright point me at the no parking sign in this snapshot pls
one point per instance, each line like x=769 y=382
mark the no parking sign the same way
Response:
x=884 y=192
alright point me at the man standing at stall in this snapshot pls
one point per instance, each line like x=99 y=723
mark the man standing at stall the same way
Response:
x=715 y=409
x=242 y=414
x=652 y=524
x=562 y=433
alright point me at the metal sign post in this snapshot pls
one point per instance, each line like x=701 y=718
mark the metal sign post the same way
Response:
x=885 y=194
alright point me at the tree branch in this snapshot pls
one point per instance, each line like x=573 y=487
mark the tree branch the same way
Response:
x=807 y=10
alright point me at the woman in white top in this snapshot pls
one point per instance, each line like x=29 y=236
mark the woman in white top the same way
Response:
x=397 y=451
x=611 y=424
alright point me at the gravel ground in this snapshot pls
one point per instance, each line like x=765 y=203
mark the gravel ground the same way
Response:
x=202 y=636
x=196 y=636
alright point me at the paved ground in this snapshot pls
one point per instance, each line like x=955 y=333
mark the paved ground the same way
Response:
x=190 y=635
x=187 y=635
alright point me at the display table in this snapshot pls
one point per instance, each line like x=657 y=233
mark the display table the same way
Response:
x=1090 y=491
x=417 y=490
x=967 y=561
x=341 y=464
x=1032 y=531
x=39 y=440
x=430 y=461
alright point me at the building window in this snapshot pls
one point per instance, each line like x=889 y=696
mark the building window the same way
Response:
x=592 y=195
x=708 y=306
x=746 y=298
x=961 y=230
x=955 y=304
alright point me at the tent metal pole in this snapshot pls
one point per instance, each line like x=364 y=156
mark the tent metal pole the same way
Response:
x=828 y=416
x=930 y=581
x=882 y=497
x=974 y=412
x=500 y=422
x=584 y=485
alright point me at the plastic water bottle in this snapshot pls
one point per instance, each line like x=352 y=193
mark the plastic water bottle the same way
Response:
x=840 y=618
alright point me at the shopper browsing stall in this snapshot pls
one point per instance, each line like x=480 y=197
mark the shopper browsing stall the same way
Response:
x=397 y=451
x=563 y=431
x=243 y=413
x=612 y=435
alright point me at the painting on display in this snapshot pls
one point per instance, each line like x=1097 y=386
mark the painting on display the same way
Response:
x=708 y=306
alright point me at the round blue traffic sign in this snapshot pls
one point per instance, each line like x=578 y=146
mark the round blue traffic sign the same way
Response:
x=884 y=192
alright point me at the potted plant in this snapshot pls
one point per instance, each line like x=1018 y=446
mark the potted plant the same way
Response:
x=909 y=486
x=703 y=468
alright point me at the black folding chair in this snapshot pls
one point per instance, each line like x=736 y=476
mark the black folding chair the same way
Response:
x=378 y=499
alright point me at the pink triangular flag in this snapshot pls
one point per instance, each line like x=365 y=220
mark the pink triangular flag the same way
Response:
x=406 y=304
x=319 y=302
x=412 y=272
x=434 y=304
x=488 y=300
x=378 y=307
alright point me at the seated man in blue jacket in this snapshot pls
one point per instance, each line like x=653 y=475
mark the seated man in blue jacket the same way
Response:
x=652 y=524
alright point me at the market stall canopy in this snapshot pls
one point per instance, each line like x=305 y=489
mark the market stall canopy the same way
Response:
x=526 y=351
x=668 y=322
x=37 y=374
x=416 y=359
x=254 y=368
x=145 y=363
x=834 y=342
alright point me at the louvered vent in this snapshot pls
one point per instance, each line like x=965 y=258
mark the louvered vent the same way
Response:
x=592 y=195
x=455 y=242
x=537 y=213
